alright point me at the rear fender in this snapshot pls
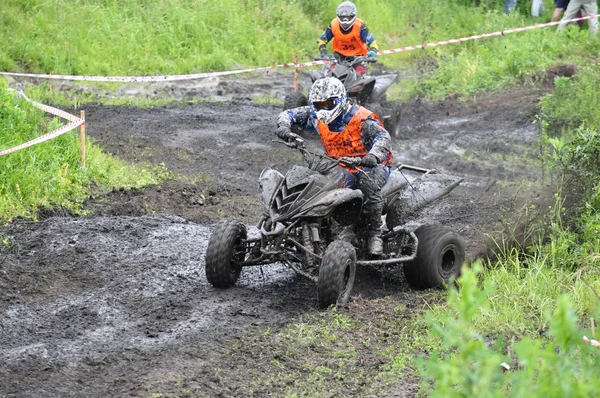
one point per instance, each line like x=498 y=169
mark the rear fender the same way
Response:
x=423 y=190
x=382 y=83
x=325 y=203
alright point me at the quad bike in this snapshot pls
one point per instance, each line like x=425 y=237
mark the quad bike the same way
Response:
x=307 y=211
x=367 y=91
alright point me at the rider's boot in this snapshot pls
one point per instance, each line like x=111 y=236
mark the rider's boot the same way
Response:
x=375 y=244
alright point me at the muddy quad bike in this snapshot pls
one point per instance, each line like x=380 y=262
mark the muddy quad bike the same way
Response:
x=367 y=91
x=306 y=213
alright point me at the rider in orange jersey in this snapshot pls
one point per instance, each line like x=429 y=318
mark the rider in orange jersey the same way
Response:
x=350 y=36
x=348 y=132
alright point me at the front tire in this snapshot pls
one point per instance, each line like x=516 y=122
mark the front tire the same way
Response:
x=336 y=274
x=440 y=254
x=226 y=249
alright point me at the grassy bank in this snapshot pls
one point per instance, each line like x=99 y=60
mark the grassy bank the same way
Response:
x=49 y=175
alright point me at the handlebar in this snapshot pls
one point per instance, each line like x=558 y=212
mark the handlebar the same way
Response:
x=320 y=161
x=351 y=61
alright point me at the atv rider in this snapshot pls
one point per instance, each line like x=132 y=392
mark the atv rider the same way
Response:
x=350 y=36
x=353 y=135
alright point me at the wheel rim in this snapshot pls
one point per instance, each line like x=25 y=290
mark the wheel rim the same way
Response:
x=239 y=253
x=449 y=260
x=345 y=280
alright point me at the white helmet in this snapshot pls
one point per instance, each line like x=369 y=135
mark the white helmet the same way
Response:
x=346 y=14
x=328 y=99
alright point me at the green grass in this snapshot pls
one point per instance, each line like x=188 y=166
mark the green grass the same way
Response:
x=132 y=37
x=364 y=351
x=49 y=174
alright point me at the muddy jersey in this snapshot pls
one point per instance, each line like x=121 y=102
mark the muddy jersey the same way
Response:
x=373 y=135
x=348 y=43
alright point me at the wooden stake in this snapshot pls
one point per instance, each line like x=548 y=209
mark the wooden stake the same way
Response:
x=82 y=139
x=296 y=73
x=593 y=327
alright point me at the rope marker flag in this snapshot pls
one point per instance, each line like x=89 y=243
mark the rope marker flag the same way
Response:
x=592 y=342
x=167 y=78
x=75 y=122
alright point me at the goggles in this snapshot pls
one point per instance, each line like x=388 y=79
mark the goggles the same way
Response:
x=326 y=105
x=346 y=18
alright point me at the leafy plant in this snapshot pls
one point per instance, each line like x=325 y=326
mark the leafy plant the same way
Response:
x=558 y=364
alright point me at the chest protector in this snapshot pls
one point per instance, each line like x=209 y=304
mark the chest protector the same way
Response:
x=348 y=142
x=349 y=43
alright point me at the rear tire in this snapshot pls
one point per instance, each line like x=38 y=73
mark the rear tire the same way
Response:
x=294 y=100
x=336 y=274
x=440 y=255
x=225 y=250
x=392 y=124
x=376 y=109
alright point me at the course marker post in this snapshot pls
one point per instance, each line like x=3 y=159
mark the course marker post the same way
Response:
x=82 y=138
x=296 y=72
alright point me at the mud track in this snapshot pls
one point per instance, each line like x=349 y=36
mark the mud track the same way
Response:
x=117 y=304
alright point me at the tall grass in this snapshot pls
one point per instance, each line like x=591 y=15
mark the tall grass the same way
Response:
x=147 y=37
x=157 y=37
x=554 y=362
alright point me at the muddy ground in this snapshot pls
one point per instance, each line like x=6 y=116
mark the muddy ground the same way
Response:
x=117 y=304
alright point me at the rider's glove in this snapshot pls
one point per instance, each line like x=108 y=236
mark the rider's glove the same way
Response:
x=284 y=133
x=372 y=53
x=369 y=160
x=323 y=52
x=292 y=139
x=350 y=161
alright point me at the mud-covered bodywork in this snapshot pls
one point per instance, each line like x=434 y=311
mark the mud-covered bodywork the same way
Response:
x=362 y=89
x=307 y=193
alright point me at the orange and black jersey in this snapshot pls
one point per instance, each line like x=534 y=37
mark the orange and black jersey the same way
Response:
x=366 y=37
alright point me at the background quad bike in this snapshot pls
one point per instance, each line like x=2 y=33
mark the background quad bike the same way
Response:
x=367 y=91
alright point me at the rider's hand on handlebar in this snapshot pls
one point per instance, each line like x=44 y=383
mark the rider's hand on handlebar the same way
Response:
x=369 y=160
x=292 y=140
x=372 y=53
x=350 y=161
x=323 y=53
x=296 y=141
x=285 y=133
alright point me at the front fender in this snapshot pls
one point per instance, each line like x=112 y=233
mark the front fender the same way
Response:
x=327 y=202
x=268 y=182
